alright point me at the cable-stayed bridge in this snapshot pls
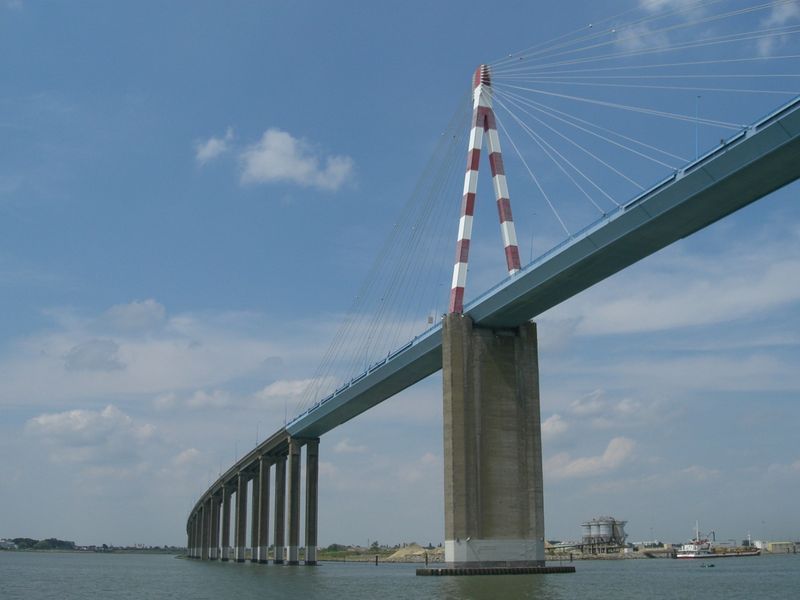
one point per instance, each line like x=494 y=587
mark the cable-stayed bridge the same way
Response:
x=491 y=329
x=759 y=160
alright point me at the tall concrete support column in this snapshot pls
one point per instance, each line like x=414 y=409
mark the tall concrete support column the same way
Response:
x=206 y=551
x=292 y=557
x=254 y=514
x=280 y=508
x=226 y=523
x=197 y=534
x=241 y=517
x=312 y=497
x=190 y=540
x=214 y=548
x=263 y=509
x=494 y=510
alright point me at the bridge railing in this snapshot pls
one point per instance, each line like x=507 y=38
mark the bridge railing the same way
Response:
x=372 y=367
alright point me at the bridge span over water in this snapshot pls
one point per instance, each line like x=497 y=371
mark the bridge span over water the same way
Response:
x=758 y=160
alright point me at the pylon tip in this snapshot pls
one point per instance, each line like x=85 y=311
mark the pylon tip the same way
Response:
x=481 y=76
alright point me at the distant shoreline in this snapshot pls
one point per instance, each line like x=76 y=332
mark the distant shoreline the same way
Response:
x=176 y=551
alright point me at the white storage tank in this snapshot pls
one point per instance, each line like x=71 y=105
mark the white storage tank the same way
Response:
x=605 y=528
x=595 y=528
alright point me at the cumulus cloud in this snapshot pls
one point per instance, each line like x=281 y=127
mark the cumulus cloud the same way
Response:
x=780 y=15
x=639 y=36
x=553 y=427
x=93 y=355
x=213 y=147
x=699 y=473
x=741 y=281
x=659 y=5
x=618 y=452
x=602 y=412
x=781 y=470
x=212 y=399
x=98 y=360
x=284 y=387
x=280 y=157
x=286 y=392
x=590 y=404
x=185 y=457
x=88 y=436
x=423 y=468
x=166 y=401
x=137 y=315
x=344 y=446
x=758 y=372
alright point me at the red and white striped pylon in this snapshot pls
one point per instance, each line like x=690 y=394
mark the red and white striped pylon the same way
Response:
x=482 y=121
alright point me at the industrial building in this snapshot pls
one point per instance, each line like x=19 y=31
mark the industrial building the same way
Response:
x=603 y=535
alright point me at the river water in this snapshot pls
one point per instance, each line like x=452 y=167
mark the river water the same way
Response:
x=43 y=576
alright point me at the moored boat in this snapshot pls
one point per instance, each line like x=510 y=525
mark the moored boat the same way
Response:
x=701 y=547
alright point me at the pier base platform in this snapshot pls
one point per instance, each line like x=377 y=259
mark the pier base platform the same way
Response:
x=441 y=571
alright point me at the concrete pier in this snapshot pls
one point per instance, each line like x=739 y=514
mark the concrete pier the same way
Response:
x=263 y=510
x=254 y=516
x=220 y=527
x=312 y=500
x=206 y=547
x=494 y=513
x=190 y=531
x=214 y=552
x=241 y=517
x=226 y=523
x=292 y=556
x=197 y=535
x=280 y=508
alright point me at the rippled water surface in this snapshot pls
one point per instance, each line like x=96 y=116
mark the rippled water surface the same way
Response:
x=119 y=576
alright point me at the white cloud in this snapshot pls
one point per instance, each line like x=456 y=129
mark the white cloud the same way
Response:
x=280 y=157
x=639 y=36
x=663 y=307
x=136 y=315
x=589 y=405
x=213 y=399
x=93 y=355
x=553 y=427
x=780 y=15
x=427 y=467
x=555 y=335
x=77 y=359
x=188 y=456
x=755 y=373
x=345 y=447
x=563 y=466
x=659 y=5
x=735 y=280
x=284 y=388
x=166 y=401
x=328 y=471
x=213 y=147
x=88 y=436
x=700 y=473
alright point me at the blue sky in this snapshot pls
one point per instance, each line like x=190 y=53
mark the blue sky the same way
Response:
x=191 y=191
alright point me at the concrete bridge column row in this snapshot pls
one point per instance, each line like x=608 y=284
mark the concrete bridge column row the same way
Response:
x=204 y=525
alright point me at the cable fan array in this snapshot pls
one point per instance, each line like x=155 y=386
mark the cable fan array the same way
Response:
x=588 y=121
